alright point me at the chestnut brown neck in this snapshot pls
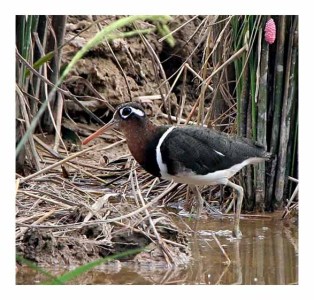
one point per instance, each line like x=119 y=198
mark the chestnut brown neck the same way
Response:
x=138 y=133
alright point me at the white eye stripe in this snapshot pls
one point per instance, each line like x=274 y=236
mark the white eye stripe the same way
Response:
x=138 y=112
x=131 y=110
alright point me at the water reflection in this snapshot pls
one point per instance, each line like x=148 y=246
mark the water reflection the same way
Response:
x=267 y=254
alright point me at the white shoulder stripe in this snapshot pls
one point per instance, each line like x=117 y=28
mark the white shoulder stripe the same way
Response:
x=162 y=166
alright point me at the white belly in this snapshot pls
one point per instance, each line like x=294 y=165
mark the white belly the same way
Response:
x=218 y=177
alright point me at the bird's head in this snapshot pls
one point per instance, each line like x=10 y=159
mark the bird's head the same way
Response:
x=128 y=116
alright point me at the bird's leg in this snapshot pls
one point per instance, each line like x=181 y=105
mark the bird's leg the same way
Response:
x=236 y=230
x=199 y=200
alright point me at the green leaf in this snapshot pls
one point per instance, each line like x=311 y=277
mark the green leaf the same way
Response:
x=68 y=276
x=87 y=267
x=40 y=62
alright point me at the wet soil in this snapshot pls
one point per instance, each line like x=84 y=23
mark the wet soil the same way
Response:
x=267 y=254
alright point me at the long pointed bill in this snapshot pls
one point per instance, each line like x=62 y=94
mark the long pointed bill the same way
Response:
x=100 y=131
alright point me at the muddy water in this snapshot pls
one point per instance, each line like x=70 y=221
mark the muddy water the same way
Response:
x=267 y=254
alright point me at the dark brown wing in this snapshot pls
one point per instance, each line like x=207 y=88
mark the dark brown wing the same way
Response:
x=204 y=151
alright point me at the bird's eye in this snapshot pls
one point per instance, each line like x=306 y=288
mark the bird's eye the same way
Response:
x=125 y=112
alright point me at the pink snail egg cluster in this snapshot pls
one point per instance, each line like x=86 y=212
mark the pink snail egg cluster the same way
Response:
x=270 y=31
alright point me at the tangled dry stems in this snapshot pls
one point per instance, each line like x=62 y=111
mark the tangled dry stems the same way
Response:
x=99 y=206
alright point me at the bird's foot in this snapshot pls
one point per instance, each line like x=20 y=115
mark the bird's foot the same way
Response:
x=236 y=233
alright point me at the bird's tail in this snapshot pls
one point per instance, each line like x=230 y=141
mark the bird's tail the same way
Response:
x=267 y=155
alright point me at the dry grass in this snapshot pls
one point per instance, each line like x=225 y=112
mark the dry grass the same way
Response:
x=107 y=207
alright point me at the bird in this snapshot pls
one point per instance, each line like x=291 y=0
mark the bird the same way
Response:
x=193 y=155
